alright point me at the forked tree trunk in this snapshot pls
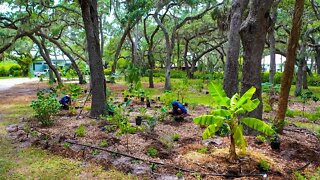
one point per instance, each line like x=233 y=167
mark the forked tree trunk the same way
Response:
x=289 y=65
x=91 y=25
x=230 y=83
x=253 y=35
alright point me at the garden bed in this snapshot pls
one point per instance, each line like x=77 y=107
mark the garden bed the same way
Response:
x=172 y=149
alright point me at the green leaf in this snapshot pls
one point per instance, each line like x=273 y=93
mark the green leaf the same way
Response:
x=210 y=131
x=258 y=125
x=221 y=112
x=208 y=120
x=218 y=94
x=234 y=100
x=246 y=96
x=238 y=137
x=251 y=105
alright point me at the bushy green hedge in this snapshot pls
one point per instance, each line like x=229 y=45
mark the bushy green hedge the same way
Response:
x=277 y=77
x=174 y=73
x=9 y=68
x=314 y=80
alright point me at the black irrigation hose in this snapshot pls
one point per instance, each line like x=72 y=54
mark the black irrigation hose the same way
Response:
x=170 y=165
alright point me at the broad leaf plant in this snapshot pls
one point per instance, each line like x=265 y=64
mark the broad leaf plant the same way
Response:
x=232 y=111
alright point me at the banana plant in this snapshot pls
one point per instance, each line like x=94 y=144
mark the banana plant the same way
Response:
x=232 y=112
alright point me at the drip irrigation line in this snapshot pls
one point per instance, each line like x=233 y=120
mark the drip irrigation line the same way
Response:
x=84 y=104
x=168 y=165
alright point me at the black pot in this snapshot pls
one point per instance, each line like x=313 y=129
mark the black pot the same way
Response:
x=159 y=98
x=148 y=104
x=207 y=92
x=125 y=99
x=138 y=120
x=275 y=144
x=142 y=99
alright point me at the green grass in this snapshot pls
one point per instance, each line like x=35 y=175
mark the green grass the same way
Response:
x=35 y=163
x=311 y=126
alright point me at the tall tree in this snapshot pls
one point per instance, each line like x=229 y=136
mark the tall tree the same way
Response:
x=272 y=41
x=91 y=25
x=253 y=35
x=289 y=65
x=230 y=82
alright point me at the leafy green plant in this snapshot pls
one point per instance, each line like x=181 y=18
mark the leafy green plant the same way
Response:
x=175 y=137
x=151 y=123
x=162 y=113
x=179 y=174
x=152 y=152
x=104 y=143
x=229 y=113
x=167 y=141
x=264 y=165
x=66 y=145
x=75 y=90
x=203 y=150
x=305 y=96
x=80 y=131
x=45 y=107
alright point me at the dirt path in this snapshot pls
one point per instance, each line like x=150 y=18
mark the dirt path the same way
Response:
x=6 y=84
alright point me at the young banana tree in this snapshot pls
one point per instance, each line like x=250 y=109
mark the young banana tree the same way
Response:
x=228 y=112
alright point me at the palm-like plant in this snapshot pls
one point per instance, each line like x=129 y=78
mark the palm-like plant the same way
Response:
x=228 y=112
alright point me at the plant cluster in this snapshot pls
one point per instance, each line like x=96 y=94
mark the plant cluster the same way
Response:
x=45 y=107
x=152 y=152
x=229 y=113
x=80 y=131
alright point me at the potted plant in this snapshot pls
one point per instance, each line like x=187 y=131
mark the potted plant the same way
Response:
x=275 y=143
x=142 y=115
x=141 y=95
x=148 y=103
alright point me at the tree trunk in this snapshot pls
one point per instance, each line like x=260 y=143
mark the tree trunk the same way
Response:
x=289 y=65
x=151 y=64
x=232 y=150
x=169 y=51
x=46 y=56
x=185 y=58
x=90 y=19
x=273 y=42
x=230 y=83
x=305 y=75
x=298 y=90
x=253 y=35
x=73 y=62
x=318 y=60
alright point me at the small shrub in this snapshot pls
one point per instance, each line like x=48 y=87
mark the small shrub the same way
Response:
x=175 y=137
x=45 y=107
x=167 y=141
x=298 y=175
x=290 y=113
x=104 y=143
x=152 y=152
x=264 y=165
x=179 y=174
x=80 y=131
x=203 y=150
